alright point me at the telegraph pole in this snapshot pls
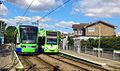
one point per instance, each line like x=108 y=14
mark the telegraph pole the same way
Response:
x=99 y=40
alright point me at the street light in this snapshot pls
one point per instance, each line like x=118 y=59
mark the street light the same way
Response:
x=65 y=40
x=99 y=40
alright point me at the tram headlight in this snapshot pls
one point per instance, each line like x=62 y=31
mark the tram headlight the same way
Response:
x=18 y=46
x=47 y=47
x=56 y=47
x=42 y=46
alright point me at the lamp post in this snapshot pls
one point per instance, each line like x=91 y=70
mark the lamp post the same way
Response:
x=67 y=39
x=99 y=42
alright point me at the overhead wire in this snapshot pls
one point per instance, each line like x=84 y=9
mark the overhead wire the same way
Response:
x=54 y=10
x=47 y=13
x=40 y=18
x=28 y=8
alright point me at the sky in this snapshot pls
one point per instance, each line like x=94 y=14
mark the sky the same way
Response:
x=73 y=12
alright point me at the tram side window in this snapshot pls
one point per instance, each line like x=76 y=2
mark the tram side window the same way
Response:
x=41 y=40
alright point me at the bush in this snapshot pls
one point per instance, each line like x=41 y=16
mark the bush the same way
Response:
x=107 y=43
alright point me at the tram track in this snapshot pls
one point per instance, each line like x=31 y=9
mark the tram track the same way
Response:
x=32 y=63
x=35 y=63
x=64 y=60
x=46 y=62
x=28 y=65
x=85 y=64
x=86 y=67
x=63 y=65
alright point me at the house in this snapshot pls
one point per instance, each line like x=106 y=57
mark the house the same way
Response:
x=84 y=31
x=99 y=28
x=79 y=29
x=117 y=34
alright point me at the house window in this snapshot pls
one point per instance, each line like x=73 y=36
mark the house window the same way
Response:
x=91 y=29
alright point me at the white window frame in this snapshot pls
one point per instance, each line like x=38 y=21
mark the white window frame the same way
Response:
x=91 y=29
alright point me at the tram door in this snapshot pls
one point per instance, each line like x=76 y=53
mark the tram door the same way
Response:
x=41 y=42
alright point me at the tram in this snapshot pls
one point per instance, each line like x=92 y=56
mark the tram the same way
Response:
x=48 y=41
x=26 y=39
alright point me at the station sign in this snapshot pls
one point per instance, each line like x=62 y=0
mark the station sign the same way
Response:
x=97 y=49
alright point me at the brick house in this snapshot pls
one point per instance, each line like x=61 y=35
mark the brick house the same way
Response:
x=99 y=28
x=79 y=28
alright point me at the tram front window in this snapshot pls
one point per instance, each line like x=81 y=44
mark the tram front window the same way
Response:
x=52 y=41
x=28 y=34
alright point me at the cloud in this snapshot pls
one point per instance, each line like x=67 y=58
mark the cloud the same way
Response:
x=37 y=5
x=29 y=21
x=22 y=19
x=3 y=10
x=10 y=22
x=65 y=24
x=43 y=25
x=98 y=8
x=40 y=19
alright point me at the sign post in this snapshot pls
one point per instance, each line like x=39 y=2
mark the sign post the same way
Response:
x=115 y=52
x=98 y=50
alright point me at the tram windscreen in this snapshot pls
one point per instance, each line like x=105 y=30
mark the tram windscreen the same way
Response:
x=51 y=33
x=28 y=34
x=52 y=41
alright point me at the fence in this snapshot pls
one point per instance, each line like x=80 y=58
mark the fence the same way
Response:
x=103 y=54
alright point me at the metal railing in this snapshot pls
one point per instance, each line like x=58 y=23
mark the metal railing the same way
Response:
x=103 y=54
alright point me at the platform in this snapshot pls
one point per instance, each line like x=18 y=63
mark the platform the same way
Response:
x=106 y=63
x=8 y=59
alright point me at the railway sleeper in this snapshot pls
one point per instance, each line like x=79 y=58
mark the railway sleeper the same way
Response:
x=30 y=67
x=40 y=68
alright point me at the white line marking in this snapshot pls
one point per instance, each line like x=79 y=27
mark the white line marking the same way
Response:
x=84 y=59
x=21 y=66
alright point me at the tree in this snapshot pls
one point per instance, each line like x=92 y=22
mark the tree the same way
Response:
x=9 y=34
x=70 y=41
x=107 y=43
x=90 y=43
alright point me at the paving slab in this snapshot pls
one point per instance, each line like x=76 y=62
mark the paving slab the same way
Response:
x=8 y=59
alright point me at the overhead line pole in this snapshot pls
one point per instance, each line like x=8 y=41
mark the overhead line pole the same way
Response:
x=99 y=43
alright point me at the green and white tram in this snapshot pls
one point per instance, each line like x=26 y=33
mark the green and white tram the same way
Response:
x=27 y=39
x=48 y=41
